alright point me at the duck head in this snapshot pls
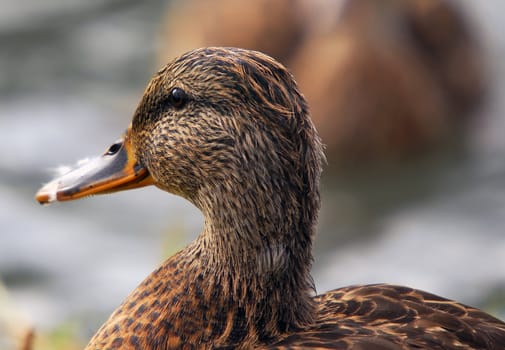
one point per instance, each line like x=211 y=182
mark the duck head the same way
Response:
x=228 y=130
x=221 y=127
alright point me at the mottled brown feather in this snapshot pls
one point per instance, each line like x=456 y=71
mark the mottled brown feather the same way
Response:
x=244 y=151
x=394 y=317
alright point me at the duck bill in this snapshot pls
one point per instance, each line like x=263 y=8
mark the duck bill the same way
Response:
x=115 y=170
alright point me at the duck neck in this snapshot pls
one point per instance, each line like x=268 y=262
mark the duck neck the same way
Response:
x=257 y=246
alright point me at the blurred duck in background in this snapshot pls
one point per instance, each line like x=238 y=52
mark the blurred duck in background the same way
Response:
x=385 y=80
x=274 y=27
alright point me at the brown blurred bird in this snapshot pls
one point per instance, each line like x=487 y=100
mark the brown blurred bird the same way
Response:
x=274 y=27
x=390 y=79
x=385 y=79
x=228 y=130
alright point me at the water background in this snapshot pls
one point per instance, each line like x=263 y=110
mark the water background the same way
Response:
x=71 y=74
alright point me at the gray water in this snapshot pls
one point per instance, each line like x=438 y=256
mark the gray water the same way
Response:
x=71 y=74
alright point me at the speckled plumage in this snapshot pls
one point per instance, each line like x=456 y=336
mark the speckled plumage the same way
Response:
x=242 y=148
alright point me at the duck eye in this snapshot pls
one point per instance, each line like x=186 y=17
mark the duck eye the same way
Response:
x=114 y=148
x=178 y=98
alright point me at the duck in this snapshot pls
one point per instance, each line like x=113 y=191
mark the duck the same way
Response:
x=394 y=80
x=228 y=130
x=276 y=28
x=388 y=81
